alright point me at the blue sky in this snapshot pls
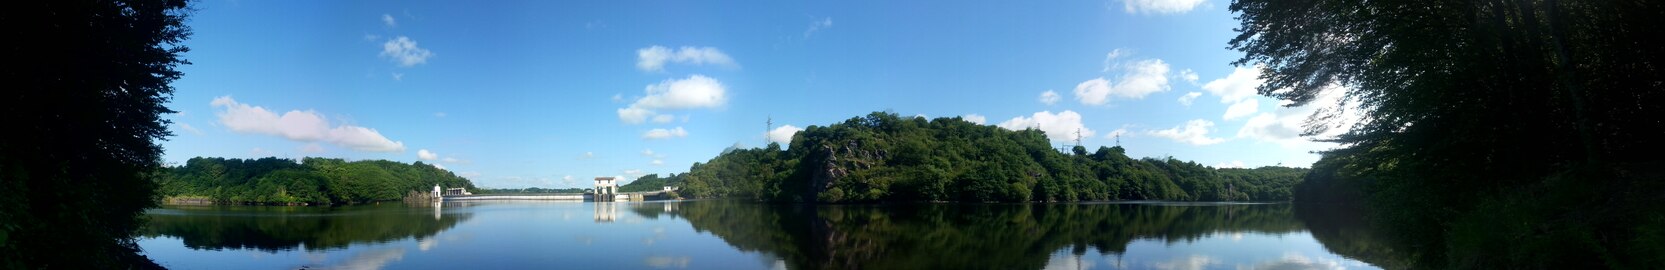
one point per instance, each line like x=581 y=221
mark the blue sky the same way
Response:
x=552 y=93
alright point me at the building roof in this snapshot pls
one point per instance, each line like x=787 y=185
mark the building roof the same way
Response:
x=604 y=178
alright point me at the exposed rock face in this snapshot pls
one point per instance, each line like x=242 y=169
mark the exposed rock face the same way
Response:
x=835 y=161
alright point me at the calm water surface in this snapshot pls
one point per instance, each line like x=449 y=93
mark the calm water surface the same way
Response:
x=735 y=235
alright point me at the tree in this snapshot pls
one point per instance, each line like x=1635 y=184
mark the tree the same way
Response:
x=89 y=81
x=1474 y=108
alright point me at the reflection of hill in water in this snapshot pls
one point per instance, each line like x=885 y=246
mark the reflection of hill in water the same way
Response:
x=286 y=228
x=961 y=236
x=1342 y=231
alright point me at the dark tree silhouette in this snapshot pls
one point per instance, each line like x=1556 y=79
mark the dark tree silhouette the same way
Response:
x=1480 y=116
x=87 y=83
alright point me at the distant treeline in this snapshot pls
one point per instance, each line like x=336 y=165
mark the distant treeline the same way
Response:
x=885 y=157
x=527 y=190
x=311 y=181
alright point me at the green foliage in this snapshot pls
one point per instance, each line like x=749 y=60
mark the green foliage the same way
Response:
x=1495 y=134
x=651 y=182
x=884 y=157
x=87 y=82
x=313 y=181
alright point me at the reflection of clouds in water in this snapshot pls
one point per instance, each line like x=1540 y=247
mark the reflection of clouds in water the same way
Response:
x=427 y=243
x=375 y=259
x=658 y=234
x=667 y=261
x=1070 y=262
x=1295 y=261
x=1187 y=263
x=1236 y=236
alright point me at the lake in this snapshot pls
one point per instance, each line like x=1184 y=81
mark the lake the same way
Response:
x=737 y=235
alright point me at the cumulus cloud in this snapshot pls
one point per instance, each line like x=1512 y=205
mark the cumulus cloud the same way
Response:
x=1139 y=79
x=782 y=134
x=1194 y=132
x=403 y=50
x=1285 y=125
x=302 y=126
x=1188 y=98
x=388 y=20
x=587 y=155
x=657 y=162
x=647 y=152
x=1188 y=75
x=654 y=58
x=1237 y=90
x=424 y=154
x=818 y=25
x=975 y=118
x=694 y=92
x=1058 y=127
x=1118 y=133
x=1241 y=108
x=1050 y=97
x=660 y=133
x=1160 y=6
x=1232 y=164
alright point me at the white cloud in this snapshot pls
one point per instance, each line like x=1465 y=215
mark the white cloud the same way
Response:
x=1194 y=132
x=388 y=19
x=1284 y=125
x=1110 y=58
x=303 y=126
x=454 y=160
x=1141 y=78
x=1160 y=6
x=1058 y=127
x=648 y=153
x=694 y=92
x=436 y=165
x=1118 y=133
x=188 y=128
x=654 y=58
x=1188 y=75
x=424 y=154
x=818 y=25
x=975 y=118
x=1051 y=97
x=657 y=162
x=663 y=118
x=587 y=155
x=1188 y=98
x=1193 y=262
x=660 y=133
x=783 y=134
x=404 y=51
x=1232 y=164
x=1239 y=85
x=1238 y=90
x=398 y=76
x=1241 y=109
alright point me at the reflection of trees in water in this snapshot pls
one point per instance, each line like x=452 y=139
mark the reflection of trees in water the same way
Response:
x=957 y=236
x=285 y=228
x=1343 y=230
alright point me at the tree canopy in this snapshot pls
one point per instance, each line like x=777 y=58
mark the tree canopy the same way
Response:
x=88 y=81
x=311 y=181
x=885 y=157
x=1479 y=116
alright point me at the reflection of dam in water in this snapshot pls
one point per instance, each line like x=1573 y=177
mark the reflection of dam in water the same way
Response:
x=605 y=190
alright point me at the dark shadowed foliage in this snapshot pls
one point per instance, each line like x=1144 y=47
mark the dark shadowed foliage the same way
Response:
x=86 y=86
x=311 y=181
x=1495 y=134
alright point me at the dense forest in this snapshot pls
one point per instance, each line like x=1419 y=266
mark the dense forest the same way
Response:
x=311 y=181
x=1492 y=134
x=885 y=157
